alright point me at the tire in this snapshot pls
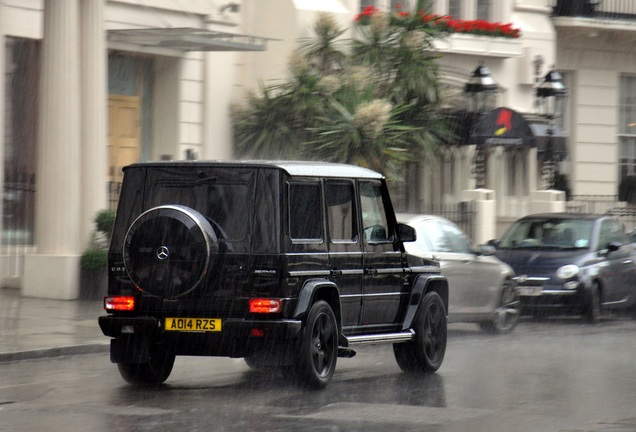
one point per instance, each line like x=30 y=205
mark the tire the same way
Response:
x=318 y=353
x=592 y=311
x=152 y=373
x=507 y=312
x=168 y=250
x=425 y=353
x=252 y=363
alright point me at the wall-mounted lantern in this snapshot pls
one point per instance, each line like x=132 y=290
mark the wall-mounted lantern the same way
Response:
x=481 y=96
x=551 y=95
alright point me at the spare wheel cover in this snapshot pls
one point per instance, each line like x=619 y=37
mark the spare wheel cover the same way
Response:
x=168 y=250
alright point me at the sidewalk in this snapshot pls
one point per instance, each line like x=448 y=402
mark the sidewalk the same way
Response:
x=37 y=328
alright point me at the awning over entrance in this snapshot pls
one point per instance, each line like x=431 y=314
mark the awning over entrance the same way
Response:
x=187 y=39
x=505 y=127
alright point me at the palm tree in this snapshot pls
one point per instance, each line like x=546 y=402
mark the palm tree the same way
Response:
x=374 y=104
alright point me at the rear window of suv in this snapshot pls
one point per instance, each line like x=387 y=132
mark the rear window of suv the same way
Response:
x=226 y=205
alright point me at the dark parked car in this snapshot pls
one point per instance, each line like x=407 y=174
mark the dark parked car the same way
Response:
x=481 y=287
x=287 y=264
x=580 y=263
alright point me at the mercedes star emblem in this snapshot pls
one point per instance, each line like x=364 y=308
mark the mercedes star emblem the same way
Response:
x=163 y=252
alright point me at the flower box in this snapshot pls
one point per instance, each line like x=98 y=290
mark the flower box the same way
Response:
x=461 y=43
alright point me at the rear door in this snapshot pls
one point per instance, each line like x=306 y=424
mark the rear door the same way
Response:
x=345 y=247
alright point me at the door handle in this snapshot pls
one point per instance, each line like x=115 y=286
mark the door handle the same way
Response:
x=335 y=272
x=370 y=271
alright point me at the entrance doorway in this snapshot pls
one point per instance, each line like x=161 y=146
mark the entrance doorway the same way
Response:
x=124 y=135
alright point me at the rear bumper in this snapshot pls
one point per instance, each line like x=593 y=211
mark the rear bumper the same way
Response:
x=113 y=326
x=238 y=338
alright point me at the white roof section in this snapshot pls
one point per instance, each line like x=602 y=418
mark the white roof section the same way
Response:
x=293 y=168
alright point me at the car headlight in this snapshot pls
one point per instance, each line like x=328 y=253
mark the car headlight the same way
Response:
x=567 y=271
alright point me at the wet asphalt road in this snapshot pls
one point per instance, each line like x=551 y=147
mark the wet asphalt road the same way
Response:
x=554 y=375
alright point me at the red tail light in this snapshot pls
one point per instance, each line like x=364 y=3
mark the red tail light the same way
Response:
x=265 y=305
x=119 y=303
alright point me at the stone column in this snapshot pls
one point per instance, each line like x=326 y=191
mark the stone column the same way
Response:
x=94 y=117
x=52 y=272
x=485 y=224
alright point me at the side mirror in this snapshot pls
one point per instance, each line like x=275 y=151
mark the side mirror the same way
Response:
x=484 y=249
x=611 y=247
x=406 y=233
x=493 y=242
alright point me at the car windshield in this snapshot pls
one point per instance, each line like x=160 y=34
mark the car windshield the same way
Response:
x=548 y=233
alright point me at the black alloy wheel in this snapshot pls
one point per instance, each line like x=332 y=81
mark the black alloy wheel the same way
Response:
x=425 y=353
x=151 y=373
x=592 y=312
x=318 y=352
x=507 y=312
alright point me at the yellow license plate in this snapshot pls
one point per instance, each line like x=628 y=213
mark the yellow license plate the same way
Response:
x=193 y=324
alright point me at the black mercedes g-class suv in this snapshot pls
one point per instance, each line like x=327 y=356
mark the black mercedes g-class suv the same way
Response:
x=287 y=264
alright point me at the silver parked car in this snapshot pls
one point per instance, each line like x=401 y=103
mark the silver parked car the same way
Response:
x=481 y=287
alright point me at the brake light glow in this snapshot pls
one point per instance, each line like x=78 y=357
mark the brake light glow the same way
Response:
x=119 y=303
x=257 y=332
x=265 y=305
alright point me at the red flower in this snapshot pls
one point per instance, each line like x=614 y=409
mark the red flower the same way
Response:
x=444 y=23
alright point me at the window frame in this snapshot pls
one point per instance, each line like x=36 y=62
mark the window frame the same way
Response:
x=305 y=240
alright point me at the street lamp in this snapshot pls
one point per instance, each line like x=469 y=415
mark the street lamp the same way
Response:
x=481 y=93
x=551 y=94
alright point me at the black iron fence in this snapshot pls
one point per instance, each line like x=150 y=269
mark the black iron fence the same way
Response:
x=114 y=189
x=604 y=204
x=18 y=217
x=599 y=9
x=461 y=213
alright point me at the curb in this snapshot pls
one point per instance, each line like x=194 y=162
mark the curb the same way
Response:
x=37 y=354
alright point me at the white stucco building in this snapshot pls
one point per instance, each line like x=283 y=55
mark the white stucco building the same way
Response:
x=92 y=85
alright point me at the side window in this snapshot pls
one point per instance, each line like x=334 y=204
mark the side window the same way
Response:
x=459 y=242
x=611 y=231
x=438 y=237
x=375 y=225
x=341 y=212
x=305 y=212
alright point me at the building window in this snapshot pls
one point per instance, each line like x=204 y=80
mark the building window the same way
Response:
x=448 y=173
x=483 y=10
x=386 y=4
x=627 y=129
x=21 y=118
x=517 y=172
x=458 y=9
x=455 y=8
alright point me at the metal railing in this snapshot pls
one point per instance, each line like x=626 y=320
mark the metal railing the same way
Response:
x=114 y=189
x=604 y=204
x=18 y=209
x=599 y=9
x=461 y=213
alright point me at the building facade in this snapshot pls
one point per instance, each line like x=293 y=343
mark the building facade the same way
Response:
x=92 y=85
